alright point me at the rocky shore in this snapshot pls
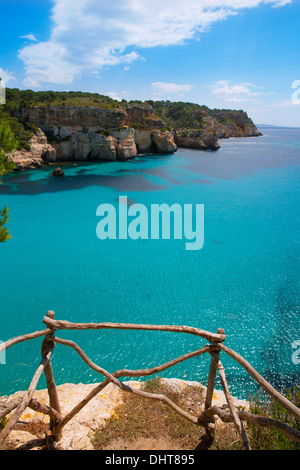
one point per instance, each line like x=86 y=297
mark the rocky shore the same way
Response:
x=81 y=133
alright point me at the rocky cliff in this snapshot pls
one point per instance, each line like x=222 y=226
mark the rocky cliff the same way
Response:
x=85 y=133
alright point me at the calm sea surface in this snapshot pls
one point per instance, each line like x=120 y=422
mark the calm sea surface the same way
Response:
x=245 y=279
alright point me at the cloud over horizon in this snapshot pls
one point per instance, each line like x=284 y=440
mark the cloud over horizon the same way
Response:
x=88 y=35
x=235 y=93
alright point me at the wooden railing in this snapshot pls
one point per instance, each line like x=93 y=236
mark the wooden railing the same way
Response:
x=227 y=413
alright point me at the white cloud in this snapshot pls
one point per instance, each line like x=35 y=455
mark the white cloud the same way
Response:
x=225 y=90
x=6 y=76
x=48 y=62
x=90 y=34
x=113 y=95
x=30 y=37
x=171 y=88
x=279 y=3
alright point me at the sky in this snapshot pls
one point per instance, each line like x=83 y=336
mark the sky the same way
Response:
x=233 y=54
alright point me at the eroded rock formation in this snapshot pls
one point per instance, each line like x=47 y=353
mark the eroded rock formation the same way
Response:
x=82 y=133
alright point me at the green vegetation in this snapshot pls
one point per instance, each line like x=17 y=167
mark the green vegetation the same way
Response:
x=138 y=419
x=10 y=133
x=3 y=422
x=4 y=234
x=179 y=115
x=16 y=99
x=270 y=439
x=176 y=115
x=13 y=134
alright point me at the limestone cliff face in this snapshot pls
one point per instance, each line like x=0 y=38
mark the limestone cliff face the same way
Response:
x=217 y=125
x=200 y=140
x=81 y=133
x=84 y=133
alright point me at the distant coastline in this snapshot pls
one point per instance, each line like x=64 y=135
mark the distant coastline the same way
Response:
x=74 y=126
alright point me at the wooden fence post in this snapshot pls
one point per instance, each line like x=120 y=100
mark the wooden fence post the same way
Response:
x=210 y=389
x=51 y=386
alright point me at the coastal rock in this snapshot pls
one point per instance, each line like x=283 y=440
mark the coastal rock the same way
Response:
x=54 y=118
x=126 y=146
x=142 y=117
x=83 y=133
x=17 y=439
x=39 y=151
x=195 y=139
x=233 y=123
x=143 y=140
x=86 y=146
x=164 y=141
x=57 y=172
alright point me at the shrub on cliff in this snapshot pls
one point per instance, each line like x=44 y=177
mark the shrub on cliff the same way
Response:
x=263 y=438
x=8 y=142
x=4 y=234
x=13 y=134
x=16 y=99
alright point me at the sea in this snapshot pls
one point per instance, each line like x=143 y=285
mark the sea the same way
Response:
x=245 y=278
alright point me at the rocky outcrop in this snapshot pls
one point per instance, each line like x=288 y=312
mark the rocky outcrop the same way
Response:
x=164 y=141
x=125 y=147
x=62 y=121
x=40 y=151
x=199 y=140
x=57 y=172
x=234 y=124
x=143 y=140
x=82 y=146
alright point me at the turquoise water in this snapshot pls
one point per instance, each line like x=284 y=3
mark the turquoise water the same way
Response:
x=245 y=279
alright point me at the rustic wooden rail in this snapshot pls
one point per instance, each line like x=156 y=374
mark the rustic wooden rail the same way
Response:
x=227 y=413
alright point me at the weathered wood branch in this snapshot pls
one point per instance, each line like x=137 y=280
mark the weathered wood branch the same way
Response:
x=210 y=428
x=19 y=339
x=35 y=405
x=8 y=406
x=65 y=325
x=284 y=402
x=121 y=373
x=237 y=422
x=27 y=397
x=250 y=418
x=127 y=373
x=51 y=386
x=205 y=419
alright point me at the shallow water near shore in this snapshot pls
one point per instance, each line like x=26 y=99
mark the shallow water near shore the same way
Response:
x=245 y=279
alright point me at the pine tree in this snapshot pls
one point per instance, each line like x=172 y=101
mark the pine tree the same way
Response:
x=8 y=142
x=4 y=234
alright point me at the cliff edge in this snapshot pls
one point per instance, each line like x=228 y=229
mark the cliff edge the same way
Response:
x=79 y=432
x=108 y=131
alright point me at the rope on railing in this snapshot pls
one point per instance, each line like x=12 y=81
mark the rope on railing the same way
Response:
x=206 y=419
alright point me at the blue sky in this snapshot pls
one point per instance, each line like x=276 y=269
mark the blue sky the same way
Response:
x=239 y=54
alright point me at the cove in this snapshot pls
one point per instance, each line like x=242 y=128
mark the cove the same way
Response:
x=245 y=279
